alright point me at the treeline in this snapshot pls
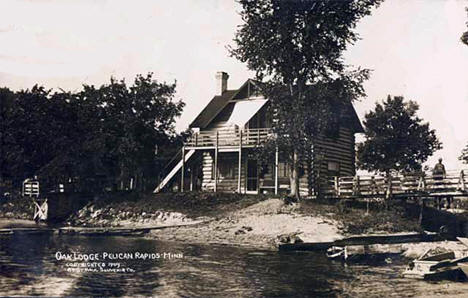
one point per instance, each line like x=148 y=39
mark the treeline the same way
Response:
x=112 y=137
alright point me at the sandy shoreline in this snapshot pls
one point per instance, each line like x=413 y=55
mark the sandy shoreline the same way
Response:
x=261 y=225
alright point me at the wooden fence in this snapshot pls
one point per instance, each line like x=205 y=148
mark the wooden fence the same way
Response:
x=454 y=183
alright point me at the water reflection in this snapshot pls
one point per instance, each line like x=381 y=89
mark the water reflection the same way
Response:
x=28 y=267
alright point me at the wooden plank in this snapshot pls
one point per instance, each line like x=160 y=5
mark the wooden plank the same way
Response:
x=362 y=240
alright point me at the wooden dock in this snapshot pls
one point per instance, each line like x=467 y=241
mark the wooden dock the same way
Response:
x=362 y=240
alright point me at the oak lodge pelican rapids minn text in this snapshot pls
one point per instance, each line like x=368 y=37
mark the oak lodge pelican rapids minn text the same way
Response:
x=74 y=256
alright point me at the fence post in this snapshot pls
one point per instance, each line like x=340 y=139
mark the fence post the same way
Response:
x=337 y=187
x=420 y=184
x=196 y=139
x=462 y=180
x=421 y=210
x=356 y=186
x=389 y=186
x=216 y=163
x=373 y=187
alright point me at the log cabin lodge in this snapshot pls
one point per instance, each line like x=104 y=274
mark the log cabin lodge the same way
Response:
x=218 y=157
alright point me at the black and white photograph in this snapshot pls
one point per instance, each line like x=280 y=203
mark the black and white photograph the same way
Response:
x=234 y=148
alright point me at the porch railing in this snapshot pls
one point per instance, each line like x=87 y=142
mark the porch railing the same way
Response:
x=230 y=137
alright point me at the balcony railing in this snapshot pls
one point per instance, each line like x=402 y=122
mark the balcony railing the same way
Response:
x=230 y=138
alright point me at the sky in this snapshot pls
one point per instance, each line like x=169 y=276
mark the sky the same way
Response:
x=412 y=47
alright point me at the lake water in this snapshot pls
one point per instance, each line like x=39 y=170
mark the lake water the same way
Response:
x=29 y=266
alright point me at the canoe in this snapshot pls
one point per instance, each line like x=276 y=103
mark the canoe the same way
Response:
x=375 y=253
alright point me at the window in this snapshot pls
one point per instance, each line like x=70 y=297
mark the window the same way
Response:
x=283 y=170
x=226 y=168
x=267 y=169
x=333 y=168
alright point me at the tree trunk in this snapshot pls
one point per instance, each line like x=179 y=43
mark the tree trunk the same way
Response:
x=121 y=178
x=421 y=211
x=1 y=160
x=1 y=184
x=294 y=177
x=389 y=188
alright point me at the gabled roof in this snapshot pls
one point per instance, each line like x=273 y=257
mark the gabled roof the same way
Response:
x=355 y=122
x=219 y=102
x=244 y=110
x=212 y=109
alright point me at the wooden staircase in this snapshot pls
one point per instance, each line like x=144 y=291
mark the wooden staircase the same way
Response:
x=174 y=171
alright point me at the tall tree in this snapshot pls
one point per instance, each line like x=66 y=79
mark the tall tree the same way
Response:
x=7 y=140
x=464 y=155
x=118 y=129
x=464 y=37
x=114 y=131
x=295 y=48
x=396 y=138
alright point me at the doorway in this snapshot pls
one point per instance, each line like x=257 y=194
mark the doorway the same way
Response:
x=252 y=176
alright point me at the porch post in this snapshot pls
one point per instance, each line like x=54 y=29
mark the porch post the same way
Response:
x=216 y=162
x=191 y=178
x=239 y=172
x=183 y=170
x=276 y=169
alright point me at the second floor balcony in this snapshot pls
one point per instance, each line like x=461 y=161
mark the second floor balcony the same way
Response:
x=229 y=137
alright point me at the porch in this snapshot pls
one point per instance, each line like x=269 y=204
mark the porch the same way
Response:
x=227 y=151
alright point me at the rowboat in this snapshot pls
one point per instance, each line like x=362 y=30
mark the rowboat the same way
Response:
x=464 y=267
x=437 y=267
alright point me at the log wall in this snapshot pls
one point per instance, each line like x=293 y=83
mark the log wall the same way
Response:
x=339 y=150
x=228 y=184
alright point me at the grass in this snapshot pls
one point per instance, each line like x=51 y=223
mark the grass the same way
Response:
x=16 y=206
x=398 y=217
x=355 y=219
x=193 y=204
x=353 y=215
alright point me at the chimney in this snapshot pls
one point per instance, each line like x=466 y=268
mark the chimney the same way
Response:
x=221 y=82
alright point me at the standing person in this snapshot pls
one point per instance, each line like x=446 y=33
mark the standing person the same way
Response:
x=438 y=174
x=439 y=170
